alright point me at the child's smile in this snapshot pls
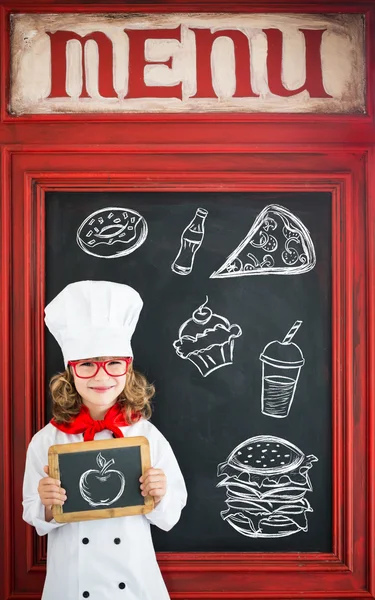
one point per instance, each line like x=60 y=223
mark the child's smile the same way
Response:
x=101 y=389
x=99 y=393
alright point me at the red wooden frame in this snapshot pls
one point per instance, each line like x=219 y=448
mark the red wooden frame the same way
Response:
x=269 y=152
x=346 y=573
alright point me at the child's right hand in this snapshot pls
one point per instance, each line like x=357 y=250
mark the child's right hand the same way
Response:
x=50 y=492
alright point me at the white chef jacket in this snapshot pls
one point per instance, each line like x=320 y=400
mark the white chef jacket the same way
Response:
x=103 y=559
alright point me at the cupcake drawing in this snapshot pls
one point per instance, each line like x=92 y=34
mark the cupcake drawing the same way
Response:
x=207 y=340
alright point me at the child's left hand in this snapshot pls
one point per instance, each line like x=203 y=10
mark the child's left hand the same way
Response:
x=154 y=483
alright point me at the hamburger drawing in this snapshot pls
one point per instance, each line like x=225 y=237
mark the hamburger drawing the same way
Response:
x=266 y=479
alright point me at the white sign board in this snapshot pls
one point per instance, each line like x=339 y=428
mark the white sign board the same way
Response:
x=186 y=63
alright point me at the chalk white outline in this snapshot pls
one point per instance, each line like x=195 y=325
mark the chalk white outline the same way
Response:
x=293 y=230
x=274 y=398
x=110 y=239
x=104 y=470
x=204 y=362
x=192 y=244
x=271 y=492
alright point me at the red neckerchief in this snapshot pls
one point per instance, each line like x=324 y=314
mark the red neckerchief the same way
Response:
x=84 y=423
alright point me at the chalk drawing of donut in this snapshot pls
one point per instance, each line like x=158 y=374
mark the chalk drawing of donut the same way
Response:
x=112 y=232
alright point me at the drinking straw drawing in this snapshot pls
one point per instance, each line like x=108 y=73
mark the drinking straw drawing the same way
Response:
x=281 y=368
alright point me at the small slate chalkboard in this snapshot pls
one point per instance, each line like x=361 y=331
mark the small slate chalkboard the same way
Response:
x=101 y=478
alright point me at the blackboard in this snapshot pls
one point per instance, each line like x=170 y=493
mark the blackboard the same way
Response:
x=101 y=478
x=207 y=416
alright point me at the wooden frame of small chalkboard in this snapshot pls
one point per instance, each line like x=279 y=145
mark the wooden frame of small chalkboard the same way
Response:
x=138 y=462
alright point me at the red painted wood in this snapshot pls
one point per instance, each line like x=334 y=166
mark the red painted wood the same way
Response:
x=196 y=152
x=342 y=574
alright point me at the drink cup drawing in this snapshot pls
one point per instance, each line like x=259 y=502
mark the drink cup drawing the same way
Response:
x=281 y=368
x=191 y=241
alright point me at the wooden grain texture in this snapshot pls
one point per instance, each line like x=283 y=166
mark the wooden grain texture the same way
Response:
x=57 y=450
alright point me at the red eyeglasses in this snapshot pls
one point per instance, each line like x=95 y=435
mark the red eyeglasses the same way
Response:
x=115 y=367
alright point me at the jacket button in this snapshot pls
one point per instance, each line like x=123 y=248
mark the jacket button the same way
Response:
x=86 y=594
x=85 y=541
x=122 y=586
x=117 y=541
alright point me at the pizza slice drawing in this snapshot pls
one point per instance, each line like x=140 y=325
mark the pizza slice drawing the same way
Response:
x=278 y=243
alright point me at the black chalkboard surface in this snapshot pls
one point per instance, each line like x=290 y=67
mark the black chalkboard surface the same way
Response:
x=236 y=335
x=101 y=478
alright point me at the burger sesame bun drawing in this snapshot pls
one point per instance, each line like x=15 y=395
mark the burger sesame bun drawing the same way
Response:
x=266 y=479
x=112 y=232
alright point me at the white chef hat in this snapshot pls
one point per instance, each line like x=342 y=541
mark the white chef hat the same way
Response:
x=94 y=318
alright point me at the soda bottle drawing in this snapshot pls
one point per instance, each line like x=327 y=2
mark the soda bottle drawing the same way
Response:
x=191 y=241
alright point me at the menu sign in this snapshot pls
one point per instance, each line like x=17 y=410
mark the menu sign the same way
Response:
x=183 y=63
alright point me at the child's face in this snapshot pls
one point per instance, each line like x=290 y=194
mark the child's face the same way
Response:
x=99 y=392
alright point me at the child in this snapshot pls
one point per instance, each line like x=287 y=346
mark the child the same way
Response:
x=99 y=394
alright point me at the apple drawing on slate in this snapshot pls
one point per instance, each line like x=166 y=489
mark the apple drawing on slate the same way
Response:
x=103 y=486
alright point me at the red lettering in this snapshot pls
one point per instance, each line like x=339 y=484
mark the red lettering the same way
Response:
x=204 y=40
x=314 y=78
x=137 y=62
x=59 y=40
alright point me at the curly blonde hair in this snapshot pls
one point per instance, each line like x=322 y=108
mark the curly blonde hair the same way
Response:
x=134 y=400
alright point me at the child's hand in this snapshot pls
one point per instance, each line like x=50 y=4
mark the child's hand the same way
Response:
x=154 y=483
x=50 y=492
